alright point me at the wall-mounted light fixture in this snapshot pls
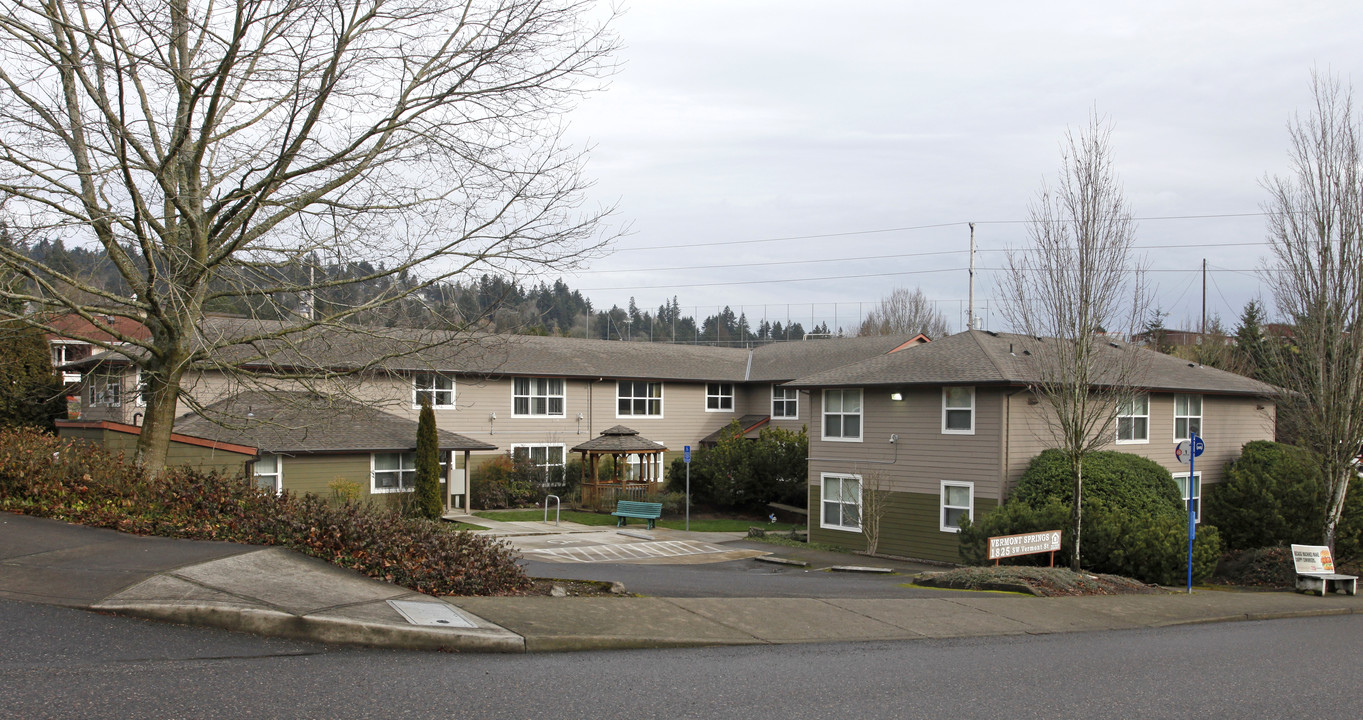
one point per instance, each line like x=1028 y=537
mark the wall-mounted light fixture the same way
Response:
x=491 y=417
x=897 y=396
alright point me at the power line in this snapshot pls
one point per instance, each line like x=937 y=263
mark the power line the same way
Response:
x=878 y=231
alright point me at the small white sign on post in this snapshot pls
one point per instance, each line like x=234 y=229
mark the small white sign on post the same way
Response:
x=1005 y=546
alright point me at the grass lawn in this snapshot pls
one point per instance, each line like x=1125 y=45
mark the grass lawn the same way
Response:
x=707 y=524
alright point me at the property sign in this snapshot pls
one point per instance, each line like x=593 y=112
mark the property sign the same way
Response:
x=1006 y=546
x=1313 y=560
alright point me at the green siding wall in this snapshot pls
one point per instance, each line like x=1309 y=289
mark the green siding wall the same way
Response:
x=314 y=474
x=910 y=527
x=195 y=456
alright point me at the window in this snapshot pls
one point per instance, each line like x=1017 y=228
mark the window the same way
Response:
x=143 y=392
x=1182 y=481
x=269 y=472
x=393 y=472
x=719 y=396
x=547 y=458
x=842 y=415
x=785 y=402
x=958 y=501
x=537 y=396
x=1133 y=420
x=436 y=389
x=958 y=410
x=841 y=502
x=105 y=388
x=1187 y=416
x=639 y=399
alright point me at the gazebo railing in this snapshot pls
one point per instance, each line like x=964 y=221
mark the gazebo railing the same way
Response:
x=604 y=496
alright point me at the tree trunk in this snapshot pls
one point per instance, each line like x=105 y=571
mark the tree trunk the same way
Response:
x=1078 y=513
x=153 y=444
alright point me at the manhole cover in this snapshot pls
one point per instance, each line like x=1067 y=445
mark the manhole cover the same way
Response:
x=430 y=613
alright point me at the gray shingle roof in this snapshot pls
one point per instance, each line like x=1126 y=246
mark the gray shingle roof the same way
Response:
x=619 y=439
x=407 y=349
x=982 y=358
x=302 y=422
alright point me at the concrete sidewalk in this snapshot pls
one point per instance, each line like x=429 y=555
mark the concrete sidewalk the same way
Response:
x=278 y=592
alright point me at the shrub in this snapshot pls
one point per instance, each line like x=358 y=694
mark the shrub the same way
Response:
x=1272 y=495
x=1260 y=567
x=506 y=483
x=426 y=501
x=743 y=474
x=45 y=476
x=1134 y=521
x=1115 y=479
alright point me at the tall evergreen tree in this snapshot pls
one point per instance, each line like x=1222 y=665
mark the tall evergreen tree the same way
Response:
x=427 y=502
x=29 y=393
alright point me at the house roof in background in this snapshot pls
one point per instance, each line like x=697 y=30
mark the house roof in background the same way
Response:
x=70 y=325
x=977 y=357
x=304 y=422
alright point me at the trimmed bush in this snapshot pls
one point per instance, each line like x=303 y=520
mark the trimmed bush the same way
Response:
x=1134 y=521
x=505 y=483
x=1115 y=479
x=1272 y=495
x=48 y=477
x=426 y=502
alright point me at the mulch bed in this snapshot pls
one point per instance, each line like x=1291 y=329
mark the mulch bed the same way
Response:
x=1042 y=582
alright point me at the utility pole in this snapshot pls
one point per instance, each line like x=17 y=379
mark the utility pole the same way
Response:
x=1204 y=300
x=970 y=318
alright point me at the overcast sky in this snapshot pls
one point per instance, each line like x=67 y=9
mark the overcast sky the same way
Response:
x=731 y=123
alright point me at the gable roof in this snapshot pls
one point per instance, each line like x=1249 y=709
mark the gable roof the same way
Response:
x=416 y=350
x=304 y=422
x=976 y=357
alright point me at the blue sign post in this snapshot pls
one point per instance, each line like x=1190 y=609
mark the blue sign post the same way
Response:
x=1187 y=451
x=686 y=456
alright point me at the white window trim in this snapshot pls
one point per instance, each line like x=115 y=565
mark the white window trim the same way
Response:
x=946 y=431
x=1202 y=408
x=561 y=446
x=823 y=485
x=104 y=380
x=662 y=397
x=562 y=396
x=823 y=415
x=1184 y=500
x=278 y=473
x=416 y=402
x=374 y=489
x=1117 y=424
x=942 y=504
x=721 y=396
x=774 y=400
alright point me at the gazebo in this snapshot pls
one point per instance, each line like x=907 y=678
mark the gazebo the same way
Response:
x=620 y=443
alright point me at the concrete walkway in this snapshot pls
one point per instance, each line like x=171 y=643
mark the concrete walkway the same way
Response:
x=278 y=592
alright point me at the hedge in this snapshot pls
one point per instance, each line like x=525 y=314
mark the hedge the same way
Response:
x=80 y=483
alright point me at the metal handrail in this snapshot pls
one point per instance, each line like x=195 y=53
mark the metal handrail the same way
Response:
x=558 y=507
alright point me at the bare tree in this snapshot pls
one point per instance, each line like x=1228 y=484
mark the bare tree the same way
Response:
x=1315 y=226
x=219 y=153
x=905 y=312
x=1072 y=286
x=875 y=499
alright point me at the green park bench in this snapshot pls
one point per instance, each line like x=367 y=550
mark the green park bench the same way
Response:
x=625 y=509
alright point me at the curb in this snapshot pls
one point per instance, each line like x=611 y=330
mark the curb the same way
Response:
x=325 y=629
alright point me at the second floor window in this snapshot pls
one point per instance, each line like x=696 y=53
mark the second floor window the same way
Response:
x=433 y=388
x=1133 y=420
x=1187 y=415
x=719 y=396
x=958 y=410
x=105 y=389
x=639 y=399
x=537 y=396
x=842 y=414
x=785 y=402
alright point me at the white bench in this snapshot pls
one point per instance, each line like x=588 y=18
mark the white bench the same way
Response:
x=1316 y=572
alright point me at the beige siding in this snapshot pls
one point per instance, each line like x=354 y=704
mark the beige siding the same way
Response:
x=1228 y=422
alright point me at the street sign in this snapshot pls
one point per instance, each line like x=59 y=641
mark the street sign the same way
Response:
x=1198 y=446
x=686 y=453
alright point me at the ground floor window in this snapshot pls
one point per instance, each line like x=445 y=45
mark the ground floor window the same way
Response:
x=269 y=472
x=1196 y=495
x=841 y=502
x=548 y=459
x=958 y=501
x=393 y=472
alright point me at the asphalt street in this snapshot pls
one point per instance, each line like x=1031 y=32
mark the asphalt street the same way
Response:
x=62 y=663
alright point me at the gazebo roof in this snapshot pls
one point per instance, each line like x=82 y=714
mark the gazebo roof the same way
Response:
x=620 y=439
